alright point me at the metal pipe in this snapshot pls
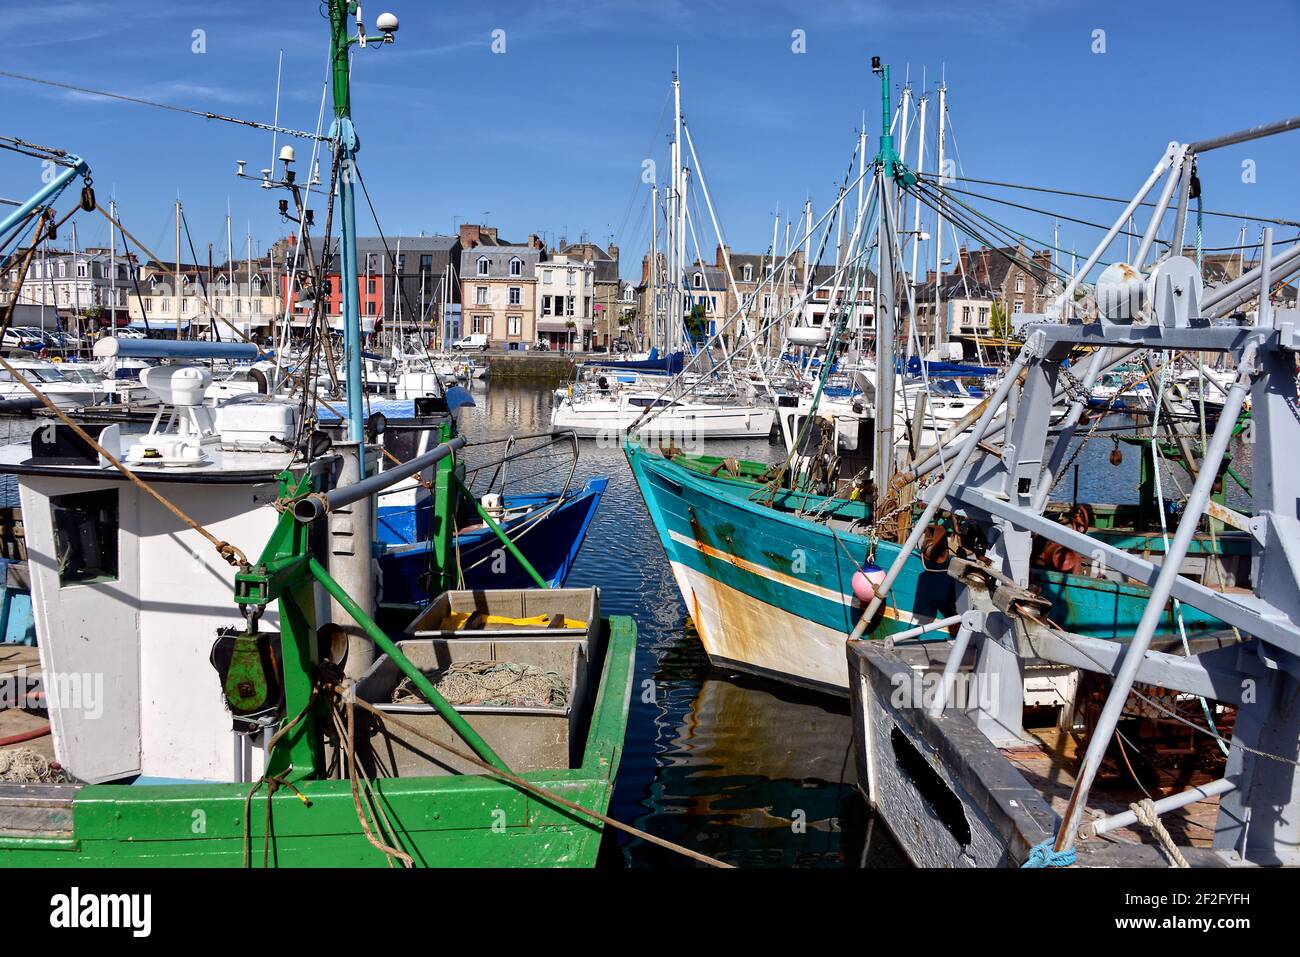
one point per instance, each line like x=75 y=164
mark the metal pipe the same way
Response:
x=422 y=684
x=311 y=508
x=1242 y=136
x=1155 y=608
x=499 y=532
x=1264 y=314
x=1172 y=180
x=920 y=630
x=51 y=189
x=932 y=459
x=110 y=346
x=1066 y=434
x=1133 y=204
x=1223 y=300
x=977 y=436
x=950 y=667
x=1172 y=803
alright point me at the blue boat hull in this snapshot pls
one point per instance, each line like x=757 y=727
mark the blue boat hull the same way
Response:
x=771 y=593
x=550 y=546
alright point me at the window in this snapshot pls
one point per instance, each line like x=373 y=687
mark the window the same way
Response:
x=516 y=295
x=1019 y=307
x=426 y=262
x=512 y=325
x=370 y=286
x=483 y=266
x=573 y=277
x=1020 y=284
x=81 y=270
x=546 y=276
x=85 y=536
x=568 y=305
x=516 y=267
x=480 y=295
x=699 y=281
x=370 y=308
x=749 y=273
x=965 y=315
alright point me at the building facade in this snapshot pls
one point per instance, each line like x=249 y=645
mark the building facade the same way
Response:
x=80 y=291
x=566 y=303
x=498 y=290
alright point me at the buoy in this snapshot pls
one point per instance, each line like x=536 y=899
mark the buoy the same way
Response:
x=865 y=581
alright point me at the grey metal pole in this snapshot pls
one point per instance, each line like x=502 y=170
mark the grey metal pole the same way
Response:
x=1128 y=210
x=954 y=470
x=1100 y=359
x=1172 y=803
x=951 y=666
x=311 y=508
x=1158 y=214
x=931 y=460
x=1155 y=608
x=1223 y=300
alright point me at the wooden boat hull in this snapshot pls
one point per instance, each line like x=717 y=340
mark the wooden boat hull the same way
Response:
x=771 y=593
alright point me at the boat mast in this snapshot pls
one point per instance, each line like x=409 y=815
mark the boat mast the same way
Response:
x=345 y=138
x=654 y=263
x=889 y=168
x=940 y=325
x=178 y=269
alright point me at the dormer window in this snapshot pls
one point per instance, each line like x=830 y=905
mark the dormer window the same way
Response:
x=749 y=273
x=516 y=267
x=483 y=266
x=699 y=281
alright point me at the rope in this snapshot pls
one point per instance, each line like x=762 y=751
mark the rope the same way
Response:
x=1042 y=855
x=206 y=114
x=544 y=793
x=1145 y=810
x=26 y=766
x=493 y=684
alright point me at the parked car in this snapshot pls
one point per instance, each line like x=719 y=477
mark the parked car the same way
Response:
x=23 y=337
x=477 y=340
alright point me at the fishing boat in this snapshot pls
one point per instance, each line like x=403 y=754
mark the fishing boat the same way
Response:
x=1178 y=750
x=220 y=688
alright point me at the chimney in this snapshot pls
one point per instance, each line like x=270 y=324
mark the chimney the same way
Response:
x=469 y=235
x=292 y=239
x=645 y=270
x=718 y=255
x=535 y=242
x=613 y=253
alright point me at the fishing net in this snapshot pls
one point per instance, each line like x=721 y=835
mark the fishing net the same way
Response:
x=25 y=766
x=491 y=683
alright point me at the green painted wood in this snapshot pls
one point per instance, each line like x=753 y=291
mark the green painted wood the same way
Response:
x=453 y=821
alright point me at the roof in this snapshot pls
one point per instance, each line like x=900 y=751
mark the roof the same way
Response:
x=498 y=258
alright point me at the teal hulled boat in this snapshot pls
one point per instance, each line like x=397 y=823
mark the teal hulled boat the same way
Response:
x=771 y=590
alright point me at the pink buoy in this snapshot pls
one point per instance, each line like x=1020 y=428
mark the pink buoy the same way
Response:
x=866 y=580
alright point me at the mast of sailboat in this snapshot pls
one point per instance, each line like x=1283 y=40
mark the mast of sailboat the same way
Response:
x=889 y=170
x=654 y=263
x=940 y=324
x=112 y=267
x=178 y=269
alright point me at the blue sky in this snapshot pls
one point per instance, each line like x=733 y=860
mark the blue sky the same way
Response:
x=550 y=135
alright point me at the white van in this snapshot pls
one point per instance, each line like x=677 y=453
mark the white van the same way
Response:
x=478 y=340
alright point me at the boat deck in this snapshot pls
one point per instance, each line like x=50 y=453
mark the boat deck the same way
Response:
x=18 y=662
x=1048 y=767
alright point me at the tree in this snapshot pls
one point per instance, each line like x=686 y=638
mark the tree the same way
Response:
x=999 y=327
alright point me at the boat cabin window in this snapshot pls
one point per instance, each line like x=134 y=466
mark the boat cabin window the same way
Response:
x=85 y=536
x=403 y=444
x=945 y=387
x=644 y=402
